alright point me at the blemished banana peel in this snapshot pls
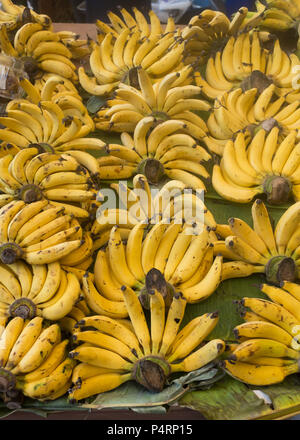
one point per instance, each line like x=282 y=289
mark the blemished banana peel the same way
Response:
x=259 y=110
x=172 y=97
x=263 y=165
x=57 y=125
x=34 y=359
x=37 y=232
x=68 y=179
x=115 y=354
x=121 y=48
x=245 y=63
x=153 y=154
x=277 y=250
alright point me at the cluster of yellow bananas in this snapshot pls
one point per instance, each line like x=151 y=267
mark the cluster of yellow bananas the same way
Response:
x=128 y=44
x=276 y=250
x=68 y=179
x=38 y=290
x=168 y=99
x=174 y=199
x=38 y=232
x=13 y=16
x=210 y=30
x=79 y=47
x=48 y=123
x=264 y=166
x=244 y=62
x=180 y=251
x=60 y=91
x=34 y=360
x=269 y=348
x=113 y=353
x=276 y=15
x=166 y=149
x=238 y=111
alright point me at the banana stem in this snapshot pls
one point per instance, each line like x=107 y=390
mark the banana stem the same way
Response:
x=281 y=268
x=10 y=252
x=278 y=189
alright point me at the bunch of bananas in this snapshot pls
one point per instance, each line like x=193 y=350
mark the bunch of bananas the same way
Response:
x=38 y=290
x=166 y=149
x=141 y=204
x=38 y=232
x=113 y=354
x=40 y=50
x=247 y=111
x=128 y=45
x=269 y=348
x=67 y=180
x=277 y=15
x=34 y=360
x=264 y=166
x=13 y=16
x=168 y=99
x=245 y=63
x=46 y=123
x=180 y=252
x=209 y=32
x=278 y=251
x=60 y=91
x=79 y=47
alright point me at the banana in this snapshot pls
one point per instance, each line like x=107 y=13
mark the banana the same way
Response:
x=100 y=357
x=24 y=342
x=239 y=269
x=201 y=357
x=48 y=386
x=98 y=384
x=39 y=350
x=207 y=285
x=258 y=374
x=100 y=305
x=117 y=258
x=114 y=328
x=104 y=280
x=53 y=253
x=262 y=225
x=9 y=337
x=173 y=321
x=282 y=298
x=286 y=226
x=105 y=341
x=192 y=259
x=195 y=336
x=274 y=313
x=246 y=252
x=241 y=229
x=265 y=330
x=229 y=190
x=137 y=318
x=134 y=251
x=7 y=213
x=253 y=348
x=151 y=243
x=177 y=251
